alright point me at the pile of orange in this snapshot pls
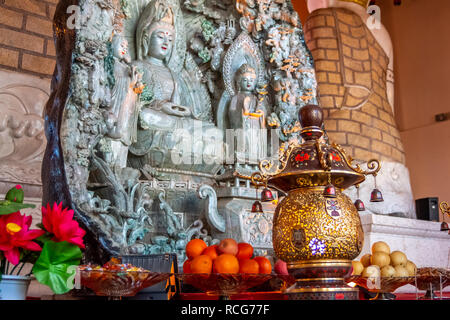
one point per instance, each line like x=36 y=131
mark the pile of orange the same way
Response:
x=226 y=257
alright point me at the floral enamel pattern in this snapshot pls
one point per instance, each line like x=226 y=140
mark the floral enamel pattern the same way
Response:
x=303 y=158
x=317 y=247
x=333 y=208
x=336 y=158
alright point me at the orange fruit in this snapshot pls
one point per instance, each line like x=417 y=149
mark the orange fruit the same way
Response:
x=226 y=263
x=248 y=266
x=211 y=251
x=245 y=251
x=228 y=246
x=201 y=264
x=265 y=266
x=187 y=266
x=194 y=248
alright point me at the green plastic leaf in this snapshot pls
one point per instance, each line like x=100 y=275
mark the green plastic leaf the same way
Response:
x=56 y=266
x=8 y=207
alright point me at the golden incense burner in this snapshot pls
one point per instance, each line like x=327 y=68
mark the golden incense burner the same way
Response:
x=316 y=228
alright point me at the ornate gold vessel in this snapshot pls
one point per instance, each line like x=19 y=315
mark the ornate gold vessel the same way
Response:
x=304 y=229
x=316 y=228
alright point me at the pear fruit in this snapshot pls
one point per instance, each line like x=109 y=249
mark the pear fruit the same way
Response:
x=398 y=258
x=365 y=260
x=380 y=259
x=411 y=267
x=388 y=272
x=381 y=246
x=357 y=268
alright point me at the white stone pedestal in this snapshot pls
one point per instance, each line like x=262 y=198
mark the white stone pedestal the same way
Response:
x=421 y=241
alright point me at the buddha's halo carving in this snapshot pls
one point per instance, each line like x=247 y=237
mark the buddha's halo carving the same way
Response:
x=153 y=89
x=242 y=51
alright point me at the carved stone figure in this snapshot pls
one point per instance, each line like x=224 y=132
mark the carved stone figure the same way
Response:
x=354 y=63
x=247 y=115
x=175 y=102
x=125 y=106
x=137 y=148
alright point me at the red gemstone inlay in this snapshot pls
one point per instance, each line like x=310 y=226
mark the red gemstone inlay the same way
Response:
x=339 y=296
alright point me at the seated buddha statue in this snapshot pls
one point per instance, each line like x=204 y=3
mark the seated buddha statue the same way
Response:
x=173 y=102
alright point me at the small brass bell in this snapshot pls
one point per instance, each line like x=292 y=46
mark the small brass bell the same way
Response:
x=376 y=196
x=257 y=207
x=267 y=195
x=444 y=226
x=360 y=205
x=330 y=191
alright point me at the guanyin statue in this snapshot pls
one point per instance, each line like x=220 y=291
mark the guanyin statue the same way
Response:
x=172 y=104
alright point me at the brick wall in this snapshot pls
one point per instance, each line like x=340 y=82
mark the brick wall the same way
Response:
x=351 y=74
x=26 y=36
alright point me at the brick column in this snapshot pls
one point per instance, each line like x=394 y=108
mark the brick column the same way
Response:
x=26 y=36
x=351 y=74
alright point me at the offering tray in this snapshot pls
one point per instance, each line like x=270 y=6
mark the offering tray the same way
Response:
x=432 y=279
x=120 y=283
x=223 y=284
x=380 y=285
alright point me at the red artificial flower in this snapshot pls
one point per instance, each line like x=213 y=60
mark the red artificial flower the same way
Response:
x=15 y=234
x=61 y=224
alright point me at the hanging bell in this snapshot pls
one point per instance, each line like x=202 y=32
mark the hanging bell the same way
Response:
x=267 y=195
x=444 y=226
x=257 y=207
x=330 y=191
x=376 y=196
x=360 y=205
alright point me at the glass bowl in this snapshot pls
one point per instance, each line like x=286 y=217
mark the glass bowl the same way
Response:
x=120 y=283
x=380 y=285
x=223 y=284
x=432 y=279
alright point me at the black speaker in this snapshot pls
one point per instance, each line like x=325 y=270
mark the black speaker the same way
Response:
x=427 y=209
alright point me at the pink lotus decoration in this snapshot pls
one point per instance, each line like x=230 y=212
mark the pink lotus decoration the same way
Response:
x=61 y=224
x=15 y=234
x=58 y=242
